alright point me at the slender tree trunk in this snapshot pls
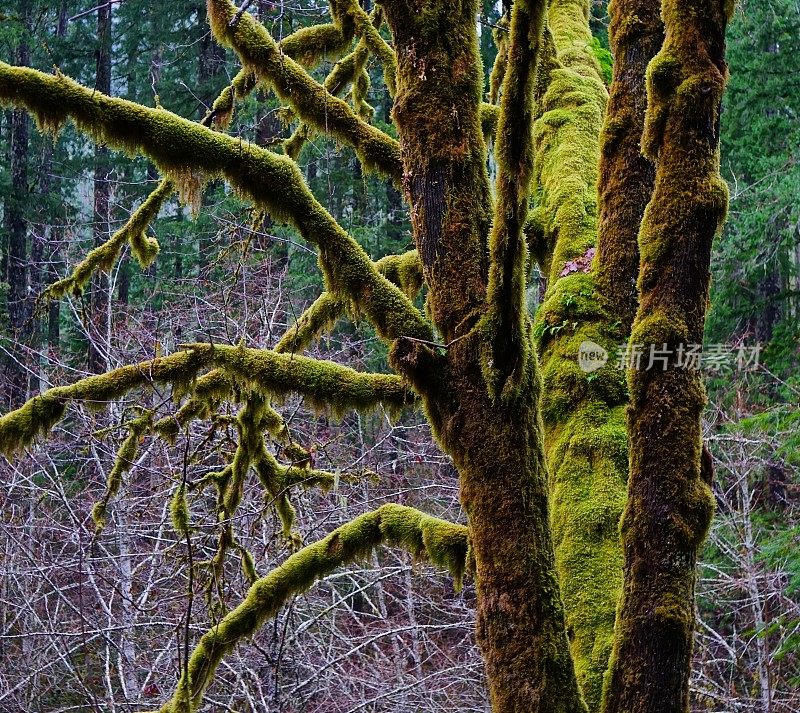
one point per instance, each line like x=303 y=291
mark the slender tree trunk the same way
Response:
x=210 y=62
x=56 y=231
x=670 y=502
x=19 y=303
x=626 y=178
x=99 y=298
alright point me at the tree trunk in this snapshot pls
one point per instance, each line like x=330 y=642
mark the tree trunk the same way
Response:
x=496 y=446
x=669 y=499
x=19 y=303
x=626 y=178
x=99 y=296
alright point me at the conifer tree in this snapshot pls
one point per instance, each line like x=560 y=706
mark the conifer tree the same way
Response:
x=569 y=616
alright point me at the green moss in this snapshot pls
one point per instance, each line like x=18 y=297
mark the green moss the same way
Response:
x=500 y=33
x=604 y=59
x=490 y=115
x=179 y=511
x=636 y=33
x=670 y=503
x=104 y=256
x=583 y=412
x=309 y=46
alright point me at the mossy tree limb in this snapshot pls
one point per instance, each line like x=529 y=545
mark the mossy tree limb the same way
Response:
x=324 y=384
x=312 y=102
x=670 y=503
x=437 y=113
x=506 y=324
x=38 y=415
x=441 y=542
x=179 y=146
x=404 y=270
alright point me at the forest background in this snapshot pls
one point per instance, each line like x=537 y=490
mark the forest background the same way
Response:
x=103 y=616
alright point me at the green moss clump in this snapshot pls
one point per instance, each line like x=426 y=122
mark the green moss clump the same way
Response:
x=179 y=511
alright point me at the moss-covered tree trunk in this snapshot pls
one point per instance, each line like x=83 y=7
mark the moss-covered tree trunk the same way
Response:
x=536 y=531
x=669 y=499
x=496 y=443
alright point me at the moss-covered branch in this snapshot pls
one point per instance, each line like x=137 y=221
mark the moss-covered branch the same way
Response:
x=404 y=270
x=342 y=74
x=104 y=256
x=441 y=542
x=312 y=102
x=38 y=416
x=670 y=502
x=180 y=146
x=506 y=325
x=122 y=464
x=324 y=384
x=308 y=46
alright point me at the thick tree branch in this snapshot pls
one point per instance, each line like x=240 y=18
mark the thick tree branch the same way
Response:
x=38 y=416
x=506 y=324
x=324 y=384
x=583 y=412
x=442 y=542
x=313 y=103
x=183 y=149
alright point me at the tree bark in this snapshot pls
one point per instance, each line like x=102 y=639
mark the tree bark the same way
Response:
x=670 y=502
x=496 y=445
